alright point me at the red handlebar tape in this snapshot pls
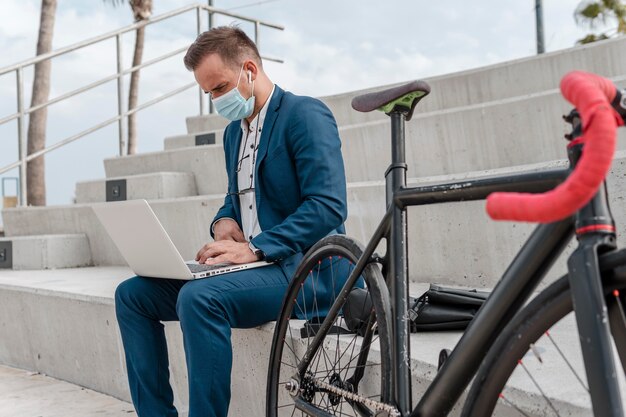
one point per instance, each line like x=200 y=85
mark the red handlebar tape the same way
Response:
x=591 y=95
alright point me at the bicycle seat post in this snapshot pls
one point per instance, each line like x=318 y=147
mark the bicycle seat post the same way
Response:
x=398 y=265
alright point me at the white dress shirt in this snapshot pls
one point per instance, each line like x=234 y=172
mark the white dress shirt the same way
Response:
x=246 y=164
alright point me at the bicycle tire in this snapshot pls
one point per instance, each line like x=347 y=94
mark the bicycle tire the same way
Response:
x=519 y=337
x=329 y=247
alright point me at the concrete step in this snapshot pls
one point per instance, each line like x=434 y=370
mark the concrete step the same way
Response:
x=194 y=139
x=66 y=328
x=53 y=251
x=186 y=220
x=28 y=394
x=454 y=243
x=523 y=130
x=492 y=83
x=206 y=163
x=206 y=123
x=497 y=83
x=526 y=130
x=147 y=186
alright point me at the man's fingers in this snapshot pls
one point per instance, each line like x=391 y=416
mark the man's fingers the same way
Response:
x=201 y=251
x=212 y=250
x=218 y=259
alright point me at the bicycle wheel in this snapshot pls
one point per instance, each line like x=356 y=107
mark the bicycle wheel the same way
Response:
x=349 y=375
x=535 y=367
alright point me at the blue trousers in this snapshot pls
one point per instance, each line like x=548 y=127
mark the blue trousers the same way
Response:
x=207 y=310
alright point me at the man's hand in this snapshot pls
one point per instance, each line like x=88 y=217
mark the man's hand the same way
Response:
x=226 y=251
x=228 y=229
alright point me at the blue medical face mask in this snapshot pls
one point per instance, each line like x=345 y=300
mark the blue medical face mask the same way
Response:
x=232 y=105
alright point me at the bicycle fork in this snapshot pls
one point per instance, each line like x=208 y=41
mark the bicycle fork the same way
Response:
x=595 y=230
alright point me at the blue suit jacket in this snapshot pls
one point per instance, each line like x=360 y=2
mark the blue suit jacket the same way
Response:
x=300 y=183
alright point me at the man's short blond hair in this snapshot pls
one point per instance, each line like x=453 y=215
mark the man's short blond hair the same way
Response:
x=229 y=42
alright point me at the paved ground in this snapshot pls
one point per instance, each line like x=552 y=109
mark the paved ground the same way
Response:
x=27 y=394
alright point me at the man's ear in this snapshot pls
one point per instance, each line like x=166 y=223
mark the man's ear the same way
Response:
x=251 y=69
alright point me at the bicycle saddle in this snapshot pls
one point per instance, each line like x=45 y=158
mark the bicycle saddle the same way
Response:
x=403 y=98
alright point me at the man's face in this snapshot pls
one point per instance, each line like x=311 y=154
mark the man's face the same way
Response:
x=215 y=77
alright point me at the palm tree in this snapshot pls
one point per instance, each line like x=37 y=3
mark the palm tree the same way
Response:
x=592 y=13
x=142 y=10
x=35 y=170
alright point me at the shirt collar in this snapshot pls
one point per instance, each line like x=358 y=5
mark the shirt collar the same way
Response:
x=260 y=118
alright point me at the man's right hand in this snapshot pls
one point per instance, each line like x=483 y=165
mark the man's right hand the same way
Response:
x=228 y=229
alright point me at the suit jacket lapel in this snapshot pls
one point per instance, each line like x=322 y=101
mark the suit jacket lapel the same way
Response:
x=268 y=124
x=232 y=142
x=235 y=144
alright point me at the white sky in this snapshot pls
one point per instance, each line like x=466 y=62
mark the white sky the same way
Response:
x=329 y=46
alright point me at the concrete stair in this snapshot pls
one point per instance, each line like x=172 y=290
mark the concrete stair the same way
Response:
x=478 y=137
x=206 y=163
x=45 y=252
x=206 y=123
x=145 y=186
x=194 y=139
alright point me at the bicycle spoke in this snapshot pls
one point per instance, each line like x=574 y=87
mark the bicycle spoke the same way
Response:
x=287 y=344
x=566 y=361
x=545 y=397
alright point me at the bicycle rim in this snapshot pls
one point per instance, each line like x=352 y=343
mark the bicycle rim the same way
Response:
x=535 y=367
x=356 y=364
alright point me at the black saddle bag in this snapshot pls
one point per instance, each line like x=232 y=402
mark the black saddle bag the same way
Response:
x=444 y=308
x=439 y=308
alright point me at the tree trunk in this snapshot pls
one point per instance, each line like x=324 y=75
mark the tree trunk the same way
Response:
x=133 y=91
x=35 y=171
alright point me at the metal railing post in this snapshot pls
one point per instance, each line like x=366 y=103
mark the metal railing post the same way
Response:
x=199 y=30
x=21 y=135
x=210 y=15
x=120 y=95
x=211 y=24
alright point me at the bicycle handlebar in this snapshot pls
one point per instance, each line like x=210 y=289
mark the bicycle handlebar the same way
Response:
x=592 y=95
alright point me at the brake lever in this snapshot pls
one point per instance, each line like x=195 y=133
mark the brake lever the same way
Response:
x=573 y=118
x=619 y=103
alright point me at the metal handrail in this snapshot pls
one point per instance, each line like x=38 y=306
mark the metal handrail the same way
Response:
x=117 y=34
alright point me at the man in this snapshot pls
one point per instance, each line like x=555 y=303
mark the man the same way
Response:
x=286 y=190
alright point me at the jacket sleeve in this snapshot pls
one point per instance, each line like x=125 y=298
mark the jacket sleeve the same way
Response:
x=315 y=148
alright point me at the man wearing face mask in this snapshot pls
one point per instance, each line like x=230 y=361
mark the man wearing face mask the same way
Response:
x=286 y=190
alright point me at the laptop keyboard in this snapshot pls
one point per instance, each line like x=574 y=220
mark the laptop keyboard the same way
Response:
x=195 y=268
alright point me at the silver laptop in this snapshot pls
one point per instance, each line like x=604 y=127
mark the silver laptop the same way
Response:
x=149 y=251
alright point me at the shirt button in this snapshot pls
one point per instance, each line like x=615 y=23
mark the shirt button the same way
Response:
x=250 y=237
x=250 y=175
x=250 y=207
x=251 y=146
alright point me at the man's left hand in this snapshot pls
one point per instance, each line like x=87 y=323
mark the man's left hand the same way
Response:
x=227 y=251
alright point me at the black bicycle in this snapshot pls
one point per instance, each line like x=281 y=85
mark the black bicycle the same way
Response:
x=317 y=368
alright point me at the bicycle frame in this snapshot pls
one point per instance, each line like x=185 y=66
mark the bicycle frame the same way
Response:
x=520 y=279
